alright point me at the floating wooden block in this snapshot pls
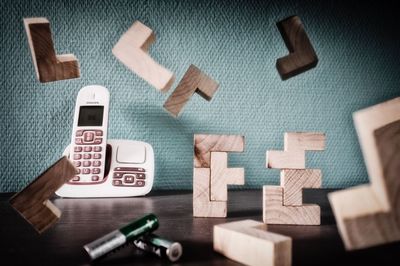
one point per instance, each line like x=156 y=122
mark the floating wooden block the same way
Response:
x=306 y=141
x=202 y=206
x=302 y=56
x=204 y=144
x=369 y=215
x=286 y=159
x=48 y=65
x=221 y=176
x=250 y=243
x=293 y=182
x=275 y=213
x=33 y=201
x=194 y=81
x=132 y=51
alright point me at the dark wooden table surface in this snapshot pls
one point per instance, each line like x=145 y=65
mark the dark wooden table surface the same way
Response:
x=84 y=220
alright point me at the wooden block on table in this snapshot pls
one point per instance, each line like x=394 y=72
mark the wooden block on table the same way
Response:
x=373 y=217
x=250 y=243
x=48 y=65
x=194 y=81
x=275 y=213
x=204 y=144
x=306 y=141
x=221 y=176
x=202 y=206
x=132 y=51
x=286 y=159
x=302 y=56
x=32 y=202
x=294 y=180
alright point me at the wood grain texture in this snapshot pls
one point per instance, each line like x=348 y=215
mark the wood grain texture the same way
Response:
x=204 y=144
x=202 y=205
x=302 y=56
x=48 y=65
x=286 y=159
x=306 y=141
x=132 y=51
x=274 y=212
x=194 y=81
x=221 y=176
x=250 y=243
x=293 y=182
x=373 y=218
x=32 y=202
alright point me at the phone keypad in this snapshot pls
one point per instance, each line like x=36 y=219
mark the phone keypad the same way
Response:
x=129 y=177
x=87 y=155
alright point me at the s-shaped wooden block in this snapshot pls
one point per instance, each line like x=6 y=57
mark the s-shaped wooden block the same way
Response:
x=33 y=201
x=302 y=56
x=194 y=81
x=250 y=243
x=369 y=215
x=132 y=51
x=48 y=65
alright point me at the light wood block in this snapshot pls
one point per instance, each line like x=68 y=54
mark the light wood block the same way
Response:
x=48 y=65
x=204 y=144
x=33 y=201
x=132 y=51
x=286 y=159
x=306 y=141
x=221 y=176
x=194 y=81
x=302 y=56
x=373 y=217
x=293 y=182
x=202 y=206
x=275 y=213
x=250 y=243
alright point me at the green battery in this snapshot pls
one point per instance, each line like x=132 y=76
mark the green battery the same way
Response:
x=159 y=246
x=117 y=238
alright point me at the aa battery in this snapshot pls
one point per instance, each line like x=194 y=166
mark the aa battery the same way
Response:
x=163 y=248
x=104 y=245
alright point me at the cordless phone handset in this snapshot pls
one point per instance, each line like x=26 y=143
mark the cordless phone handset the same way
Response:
x=89 y=135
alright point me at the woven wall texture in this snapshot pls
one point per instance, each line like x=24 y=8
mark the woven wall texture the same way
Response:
x=236 y=43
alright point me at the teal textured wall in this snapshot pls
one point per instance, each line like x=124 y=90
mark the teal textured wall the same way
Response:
x=236 y=43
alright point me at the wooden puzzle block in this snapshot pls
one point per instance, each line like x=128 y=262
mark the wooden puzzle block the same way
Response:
x=33 y=201
x=132 y=51
x=302 y=56
x=293 y=182
x=221 y=176
x=204 y=144
x=306 y=141
x=202 y=206
x=373 y=217
x=194 y=81
x=286 y=159
x=48 y=65
x=250 y=243
x=274 y=212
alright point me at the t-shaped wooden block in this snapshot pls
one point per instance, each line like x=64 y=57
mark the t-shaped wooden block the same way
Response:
x=369 y=215
x=132 y=51
x=194 y=81
x=33 y=201
x=48 y=65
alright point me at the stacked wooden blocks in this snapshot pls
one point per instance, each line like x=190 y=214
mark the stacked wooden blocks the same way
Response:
x=284 y=204
x=211 y=174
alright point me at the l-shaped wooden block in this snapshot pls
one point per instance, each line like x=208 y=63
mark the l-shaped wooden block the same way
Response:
x=33 y=201
x=369 y=215
x=132 y=50
x=48 y=65
x=250 y=243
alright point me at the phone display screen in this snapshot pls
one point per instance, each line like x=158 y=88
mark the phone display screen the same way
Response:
x=90 y=116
